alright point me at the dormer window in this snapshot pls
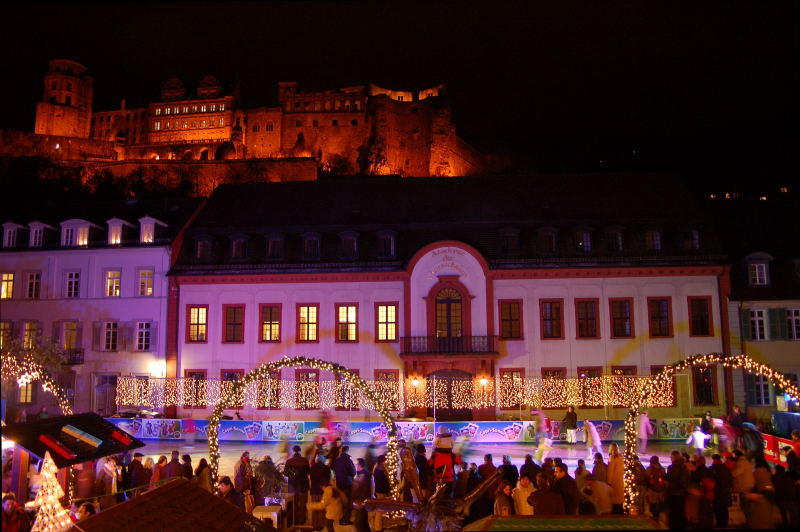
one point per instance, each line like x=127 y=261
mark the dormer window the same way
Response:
x=202 y=249
x=652 y=240
x=348 y=245
x=311 y=247
x=239 y=248
x=275 y=247
x=147 y=229
x=68 y=237
x=757 y=273
x=614 y=241
x=691 y=239
x=386 y=244
x=82 y=237
x=115 y=235
x=10 y=232
x=583 y=241
x=509 y=242
x=547 y=241
x=37 y=237
x=75 y=233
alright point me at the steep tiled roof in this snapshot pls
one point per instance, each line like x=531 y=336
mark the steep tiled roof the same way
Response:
x=177 y=506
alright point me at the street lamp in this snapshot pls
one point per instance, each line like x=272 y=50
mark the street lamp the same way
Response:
x=484 y=381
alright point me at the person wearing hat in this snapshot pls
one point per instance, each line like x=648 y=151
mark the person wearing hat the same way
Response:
x=137 y=474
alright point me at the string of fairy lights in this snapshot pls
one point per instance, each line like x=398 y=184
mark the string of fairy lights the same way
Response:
x=235 y=392
x=656 y=384
x=269 y=392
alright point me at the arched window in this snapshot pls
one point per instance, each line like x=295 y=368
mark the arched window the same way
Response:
x=449 y=322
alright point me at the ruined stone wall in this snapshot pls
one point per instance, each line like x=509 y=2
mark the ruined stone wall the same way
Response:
x=262 y=132
x=329 y=136
x=401 y=137
x=128 y=124
x=60 y=148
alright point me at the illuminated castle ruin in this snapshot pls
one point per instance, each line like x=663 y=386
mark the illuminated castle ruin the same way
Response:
x=352 y=130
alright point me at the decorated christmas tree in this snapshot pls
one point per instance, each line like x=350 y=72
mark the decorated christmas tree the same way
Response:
x=51 y=517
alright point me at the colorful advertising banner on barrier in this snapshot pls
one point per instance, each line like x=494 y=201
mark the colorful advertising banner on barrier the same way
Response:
x=365 y=431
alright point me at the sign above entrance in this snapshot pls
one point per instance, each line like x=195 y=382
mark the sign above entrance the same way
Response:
x=448 y=261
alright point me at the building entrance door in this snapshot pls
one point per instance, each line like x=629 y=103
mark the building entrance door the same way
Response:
x=449 y=321
x=105 y=394
x=451 y=387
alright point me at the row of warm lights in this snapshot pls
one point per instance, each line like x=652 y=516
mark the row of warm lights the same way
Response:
x=417 y=392
x=231 y=395
x=744 y=362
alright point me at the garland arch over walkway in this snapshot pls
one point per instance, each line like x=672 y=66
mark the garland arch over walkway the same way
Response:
x=743 y=361
x=27 y=370
x=228 y=401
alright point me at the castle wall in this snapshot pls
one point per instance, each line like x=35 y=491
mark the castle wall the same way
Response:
x=328 y=136
x=401 y=137
x=262 y=134
x=20 y=144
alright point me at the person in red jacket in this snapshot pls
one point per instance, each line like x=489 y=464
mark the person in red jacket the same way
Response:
x=14 y=518
x=443 y=461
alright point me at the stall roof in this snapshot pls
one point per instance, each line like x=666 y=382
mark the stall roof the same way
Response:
x=27 y=435
x=178 y=506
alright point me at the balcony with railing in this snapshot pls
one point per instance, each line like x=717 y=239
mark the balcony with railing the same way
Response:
x=456 y=345
x=73 y=357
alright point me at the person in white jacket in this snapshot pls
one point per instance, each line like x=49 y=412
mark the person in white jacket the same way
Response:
x=332 y=502
x=593 y=443
x=698 y=440
x=520 y=495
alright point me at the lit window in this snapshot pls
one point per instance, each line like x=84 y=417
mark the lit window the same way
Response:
x=113 y=280
x=148 y=233
x=346 y=323
x=185 y=124
x=69 y=332
x=158 y=111
x=234 y=323
x=196 y=388
x=197 y=323
x=37 y=237
x=194 y=108
x=387 y=386
x=167 y=111
x=145 y=283
x=269 y=390
x=83 y=237
x=386 y=317
x=110 y=335
x=30 y=334
x=25 y=393
x=176 y=110
x=185 y=109
x=511 y=387
x=7 y=286
x=202 y=108
x=270 y=323
x=194 y=124
x=73 y=285
x=5 y=333
x=307 y=323
x=213 y=107
x=307 y=389
x=143 y=335
x=222 y=107
x=34 y=285
x=757 y=273
x=202 y=123
x=115 y=235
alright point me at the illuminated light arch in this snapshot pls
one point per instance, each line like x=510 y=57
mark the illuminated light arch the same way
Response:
x=743 y=361
x=28 y=370
x=228 y=400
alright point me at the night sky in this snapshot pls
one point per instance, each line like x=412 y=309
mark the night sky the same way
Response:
x=710 y=86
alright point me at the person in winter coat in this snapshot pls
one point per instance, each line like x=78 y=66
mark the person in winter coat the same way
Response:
x=600 y=470
x=544 y=500
x=723 y=483
x=643 y=431
x=510 y=471
x=753 y=441
x=503 y=503
x=362 y=490
x=345 y=470
x=566 y=486
x=155 y=477
x=677 y=483
x=14 y=517
x=109 y=480
x=203 y=475
x=571 y=424
x=530 y=469
x=173 y=468
x=137 y=475
x=698 y=440
x=228 y=493
x=298 y=470
x=424 y=470
x=520 y=496
x=332 y=502
x=655 y=493
x=616 y=475
x=786 y=497
x=744 y=480
x=320 y=475
x=593 y=442
x=243 y=474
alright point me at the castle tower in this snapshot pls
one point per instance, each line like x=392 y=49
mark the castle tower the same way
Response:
x=66 y=109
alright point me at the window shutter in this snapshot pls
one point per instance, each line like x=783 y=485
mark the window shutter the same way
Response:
x=79 y=335
x=39 y=330
x=154 y=336
x=746 y=325
x=14 y=331
x=125 y=341
x=56 y=338
x=750 y=388
x=778 y=328
x=97 y=336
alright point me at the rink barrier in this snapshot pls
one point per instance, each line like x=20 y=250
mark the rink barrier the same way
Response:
x=667 y=429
